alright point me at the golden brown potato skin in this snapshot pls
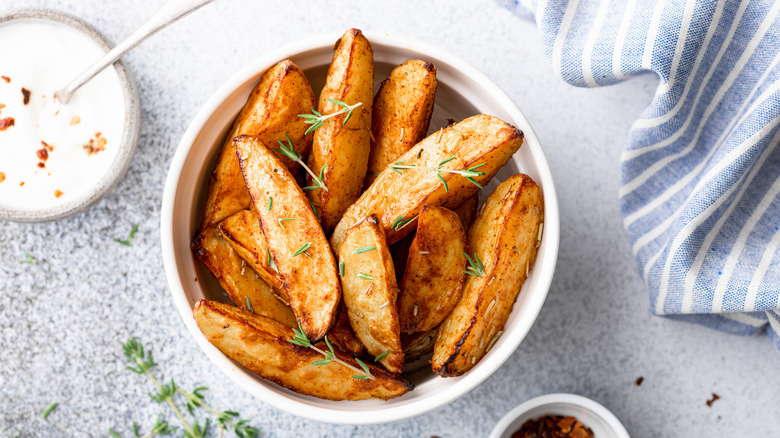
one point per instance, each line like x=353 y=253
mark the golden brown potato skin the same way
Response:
x=260 y=345
x=371 y=302
x=343 y=149
x=310 y=278
x=504 y=235
x=342 y=335
x=238 y=279
x=467 y=211
x=433 y=279
x=401 y=113
x=477 y=140
x=271 y=110
x=242 y=232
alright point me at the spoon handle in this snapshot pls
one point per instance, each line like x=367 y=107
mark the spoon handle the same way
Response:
x=169 y=13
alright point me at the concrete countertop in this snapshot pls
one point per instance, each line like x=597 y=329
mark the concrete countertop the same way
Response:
x=63 y=318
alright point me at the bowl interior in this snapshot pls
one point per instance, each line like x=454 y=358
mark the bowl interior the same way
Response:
x=462 y=92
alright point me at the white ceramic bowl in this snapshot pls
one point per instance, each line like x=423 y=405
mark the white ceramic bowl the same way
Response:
x=463 y=91
x=126 y=147
x=593 y=415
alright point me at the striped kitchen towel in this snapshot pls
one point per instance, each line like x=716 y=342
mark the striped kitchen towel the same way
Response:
x=700 y=191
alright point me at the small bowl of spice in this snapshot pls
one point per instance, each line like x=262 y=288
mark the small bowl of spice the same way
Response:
x=58 y=159
x=559 y=416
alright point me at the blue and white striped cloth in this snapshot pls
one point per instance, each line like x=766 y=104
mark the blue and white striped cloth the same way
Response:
x=701 y=167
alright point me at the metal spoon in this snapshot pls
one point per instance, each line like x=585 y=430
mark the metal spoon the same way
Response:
x=169 y=13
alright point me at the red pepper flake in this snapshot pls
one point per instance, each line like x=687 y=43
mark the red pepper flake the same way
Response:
x=2 y=177
x=57 y=193
x=6 y=79
x=2 y=106
x=47 y=146
x=95 y=145
x=712 y=400
x=41 y=165
x=6 y=123
x=42 y=154
x=21 y=183
x=553 y=426
x=639 y=381
x=26 y=94
x=74 y=121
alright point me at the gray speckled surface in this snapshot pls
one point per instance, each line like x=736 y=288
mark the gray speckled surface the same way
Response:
x=63 y=318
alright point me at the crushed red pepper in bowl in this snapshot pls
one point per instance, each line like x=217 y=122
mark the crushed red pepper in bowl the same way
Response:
x=553 y=426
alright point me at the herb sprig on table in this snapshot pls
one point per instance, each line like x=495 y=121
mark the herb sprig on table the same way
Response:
x=129 y=237
x=169 y=393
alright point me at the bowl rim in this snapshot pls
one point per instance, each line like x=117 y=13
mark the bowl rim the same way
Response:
x=571 y=399
x=468 y=381
x=130 y=133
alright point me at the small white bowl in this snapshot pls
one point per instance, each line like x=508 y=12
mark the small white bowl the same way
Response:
x=462 y=91
x=593 y=415
x=131 y=130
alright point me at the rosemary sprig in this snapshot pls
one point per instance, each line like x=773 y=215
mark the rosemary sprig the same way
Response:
x=469 y=173
x=475 y=268
x=48 y=410
x=341 y=268
x=400 y=222
x=270 y=204
x=364 y=276
x=288 y=150
x=314 y=209
x=364 y=249
x=129 y=238
x=271 y=261
x=28 y=258
x=302 y=249
x=302 y=340
x=381 y=356
x=282 y=219
x=316 y=119
x=249 y=304
x=134 y=353
x=160 y=428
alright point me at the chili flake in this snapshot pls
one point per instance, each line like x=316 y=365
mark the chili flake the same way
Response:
x=6 y=123
x=713 y=399
x=26 y=95
x=553 y=426
x=6 y=79
x=57 y=193
x=75 y=120
x=95 y=145
x=2 y=177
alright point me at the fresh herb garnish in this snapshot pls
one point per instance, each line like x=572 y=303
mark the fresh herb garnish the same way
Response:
x=270 y=204
x=314 y=209
x=475 y=268
x=341 y=268
x=288 y=150
x=364 y=276
x=469 y=173
x=271 y=261
x=166 y=393
x=300 y=339
x=160 y=428
x=400 y=222
x=381 y=356
x=28 y=258
x=316 y=119
x=282 y=219
x=364 y=249
x=249 y=304
x=48 y=410
x=129 y=238
x=302 y=249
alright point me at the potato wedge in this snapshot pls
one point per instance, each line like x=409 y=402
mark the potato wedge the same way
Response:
x=242 y=232
x=297 y=247
x=401 y=114
x=341 y=145
x=434 y=275
x=370 y=292
x=417 y=345
x=482 y=140
x=260 y=345
x=504 y=236
x=271 y=111
x=237 y=279
x=342 y=335
x=467 y=211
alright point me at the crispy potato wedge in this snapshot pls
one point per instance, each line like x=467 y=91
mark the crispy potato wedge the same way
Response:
x=297 y=247
x=242 y=232
x=401 y=114
x=417 y=345
x=504 y=235
x=260 y=345
x=482 y=140
x=467 y=211
x=370 y=292
x=342 y=335
x=341 y=145
x=237 y=279
x=271 y=111
x=434 y=275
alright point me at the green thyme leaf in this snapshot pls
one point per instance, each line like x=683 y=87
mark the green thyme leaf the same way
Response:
x=364 y=249
x=48 y=410
x=249 y=304
x=381 y=356
x=302 y=249
x=364 y=276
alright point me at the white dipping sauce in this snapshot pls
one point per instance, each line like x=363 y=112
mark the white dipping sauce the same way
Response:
x=42 y=56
